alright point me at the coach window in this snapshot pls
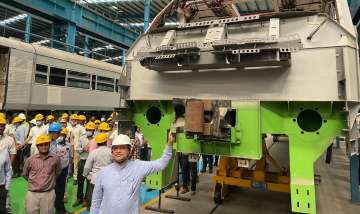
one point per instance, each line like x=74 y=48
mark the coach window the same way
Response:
x=57 y=76
x=105 y=84
x=117 y=85
x=41 y=74
x=78 y=80
x=93 y=82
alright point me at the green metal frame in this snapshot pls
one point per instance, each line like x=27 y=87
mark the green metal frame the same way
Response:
x=156 y=135
x=254 y=119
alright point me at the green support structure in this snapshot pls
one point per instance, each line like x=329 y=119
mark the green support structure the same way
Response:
x=155 y=119
x=310 y=127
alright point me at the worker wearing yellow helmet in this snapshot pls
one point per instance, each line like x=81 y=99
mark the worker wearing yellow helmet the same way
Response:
x=76 y=133
x=97 y=123
x=35 y=132
x=65 y=115
x=104 y=127
x=21 y=129
x=74 y=118
x=16 y=120
x=63 y=122
x=7 y=142
x=82 y=119
x=97 y=159
x=63 y=151
x=49 y=120
x=8 y=127
x=41 y=180
x=71 y=127
x=82 y=149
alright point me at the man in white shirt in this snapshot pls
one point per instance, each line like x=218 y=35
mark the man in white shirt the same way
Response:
x=7 y=142
x=77 y=132
x=20 y=133
x=117 y=186
x=36 y=131
x=49 y=120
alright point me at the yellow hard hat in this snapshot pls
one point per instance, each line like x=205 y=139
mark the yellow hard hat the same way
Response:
x=64 y=131
x=74 y=117
x=2 y=121
x=2 y=115
x=90 y=126
x=42 y=139
x=97 y=122
x=104 y=126
x=82 y=117
x=65 y=115
x=101 y=138
x=109 y=119
x=17 y=119
x=50 y=117
x=63 y=120
x=39 y=117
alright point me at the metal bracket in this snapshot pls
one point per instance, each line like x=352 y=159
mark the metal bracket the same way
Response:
x=214 y=34
x=274 y=28
x=219 y=21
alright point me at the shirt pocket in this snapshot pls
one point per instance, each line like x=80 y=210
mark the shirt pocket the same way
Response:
x=128 y=186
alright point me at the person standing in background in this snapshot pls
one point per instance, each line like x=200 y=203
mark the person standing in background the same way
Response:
x=49 y=120
x=36 y=131
x=41 y=170
x=97 y=123
x=82 y=148
x=7 y=143
x=189 y=172
x=63 y=151
x=207 y=160
x=98 y=159
x=20 y=133
x=5 y=179
x=78 y=131
x=144 y=147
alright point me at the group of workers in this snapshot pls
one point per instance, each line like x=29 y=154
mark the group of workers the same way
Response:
x=46 y=151
x=108 y=167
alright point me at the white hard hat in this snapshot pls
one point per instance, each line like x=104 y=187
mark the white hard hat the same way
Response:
x=33 y=121
x=22 y=116
x=121 y=139
x=103 y=119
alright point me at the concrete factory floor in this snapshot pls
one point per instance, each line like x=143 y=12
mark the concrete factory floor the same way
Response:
x=333 y=193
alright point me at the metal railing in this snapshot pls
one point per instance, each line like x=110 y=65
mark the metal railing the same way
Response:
x=5 y=31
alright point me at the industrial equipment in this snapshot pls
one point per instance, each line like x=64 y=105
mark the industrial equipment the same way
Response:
x=223 y=80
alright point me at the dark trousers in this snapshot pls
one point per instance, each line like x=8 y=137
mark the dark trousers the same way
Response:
x=144 y=152
x=207 y=160
x=90 y=192
x=189 y=172
x=81 y=181
x=216 y=160
x=3 y=194
x=21 y=156
x=60 y=189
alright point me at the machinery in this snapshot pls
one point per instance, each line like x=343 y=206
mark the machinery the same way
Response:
x=226 y=80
